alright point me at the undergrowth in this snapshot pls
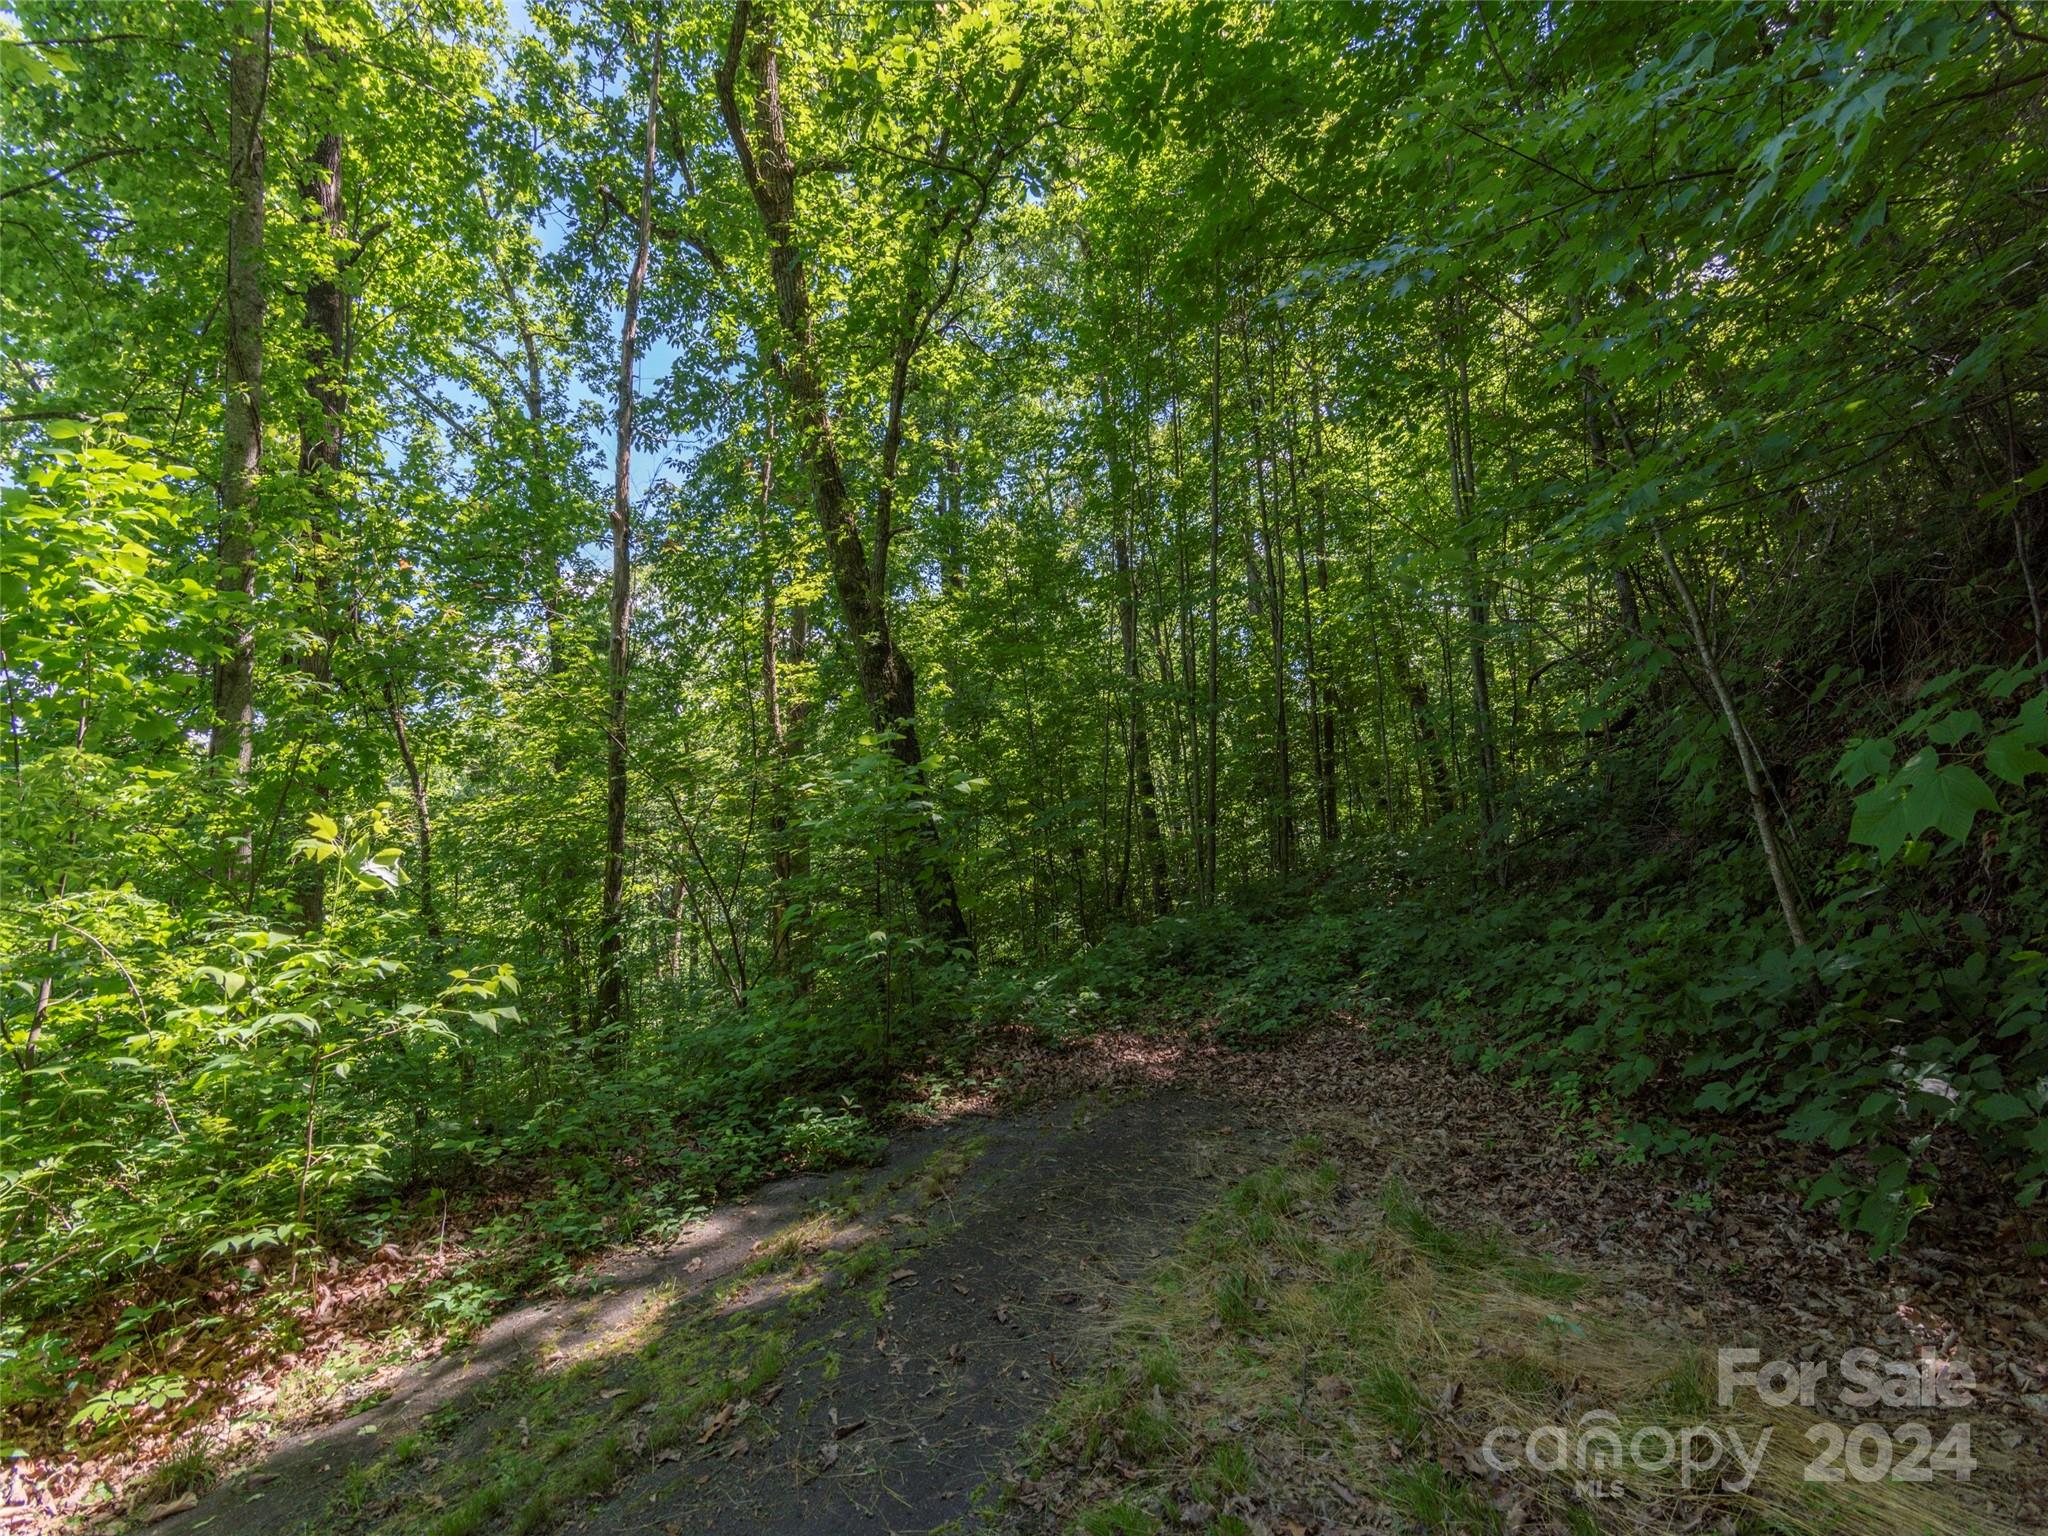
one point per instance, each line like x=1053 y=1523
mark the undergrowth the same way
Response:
x=1641 y=980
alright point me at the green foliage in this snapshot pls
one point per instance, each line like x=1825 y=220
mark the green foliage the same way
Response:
x=252 y=1093
x=816 y=1139
x=1253 y=980
x=1912 y=1036
x=1932 y=790
x=1527 y=525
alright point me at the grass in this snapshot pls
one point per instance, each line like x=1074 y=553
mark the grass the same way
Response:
x=192 y=1471
x=581 y=1430
x=682 y=1373
x=1318 y=1352
x=940 y=1174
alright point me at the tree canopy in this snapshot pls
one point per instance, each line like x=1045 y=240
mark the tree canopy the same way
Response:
x=600 y=584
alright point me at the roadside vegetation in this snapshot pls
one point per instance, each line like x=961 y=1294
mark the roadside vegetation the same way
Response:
x=601 y=598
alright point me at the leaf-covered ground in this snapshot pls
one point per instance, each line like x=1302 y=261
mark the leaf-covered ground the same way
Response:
x=899 y=1350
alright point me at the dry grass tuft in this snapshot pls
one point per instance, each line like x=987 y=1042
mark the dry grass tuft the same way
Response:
x=1319 y=1354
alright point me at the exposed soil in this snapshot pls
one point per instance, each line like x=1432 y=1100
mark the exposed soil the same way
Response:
x=1735 y=1260
x=905 y=1397
x=915 y=1388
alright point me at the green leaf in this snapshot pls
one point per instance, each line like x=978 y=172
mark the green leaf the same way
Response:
x=1954 y=726
x=1866 y=759
x=1949 y=801
x=2012 y=757
x=2001 y=1107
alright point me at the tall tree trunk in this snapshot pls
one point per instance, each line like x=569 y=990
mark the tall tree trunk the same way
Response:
x=1138 y=755
x=1745 y=750
x=785 y=723
x=540 y=498
x=320 y=445
x=1190 y=734
x=1326 y=808
x=232 y=736
x=1746 y=756
x=1137 y=739
x=1209 y=807
x=1266 y=578
x=1429 y=746
x=952 y=527
x=1464 y=498
x=1625 y=604
x=887 y=682
x=611 y=971
x=1333 y=700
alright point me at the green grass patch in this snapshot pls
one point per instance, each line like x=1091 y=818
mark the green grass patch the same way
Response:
x=1312 y=1350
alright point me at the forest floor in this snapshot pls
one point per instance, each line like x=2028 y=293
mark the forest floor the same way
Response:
x=993 y=1328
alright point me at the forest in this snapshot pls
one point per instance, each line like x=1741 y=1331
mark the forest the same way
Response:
x=604 y=601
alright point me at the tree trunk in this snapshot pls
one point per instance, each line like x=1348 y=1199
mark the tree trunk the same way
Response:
x=1326 y=806
x=1138 y=754
x=540 y=496
x=1189 y=735
x=611 y=977
x=1603 y=465
x=1464 y=498
x=1332 y=701
x=320 y=442
x=1267 y=568
x=785 y=722
x=423 y=831
x=231 y=739
x=1746 y=756
x=1745 y=751
x=887 y=683
x=1215 y=554
x=1429 y=747
x=1137 y=739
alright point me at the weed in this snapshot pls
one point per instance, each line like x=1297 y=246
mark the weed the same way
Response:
x=1118 y=1519
x=192 y=1470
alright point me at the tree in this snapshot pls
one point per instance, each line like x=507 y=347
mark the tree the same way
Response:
x=611 y=979
x=232 y=736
